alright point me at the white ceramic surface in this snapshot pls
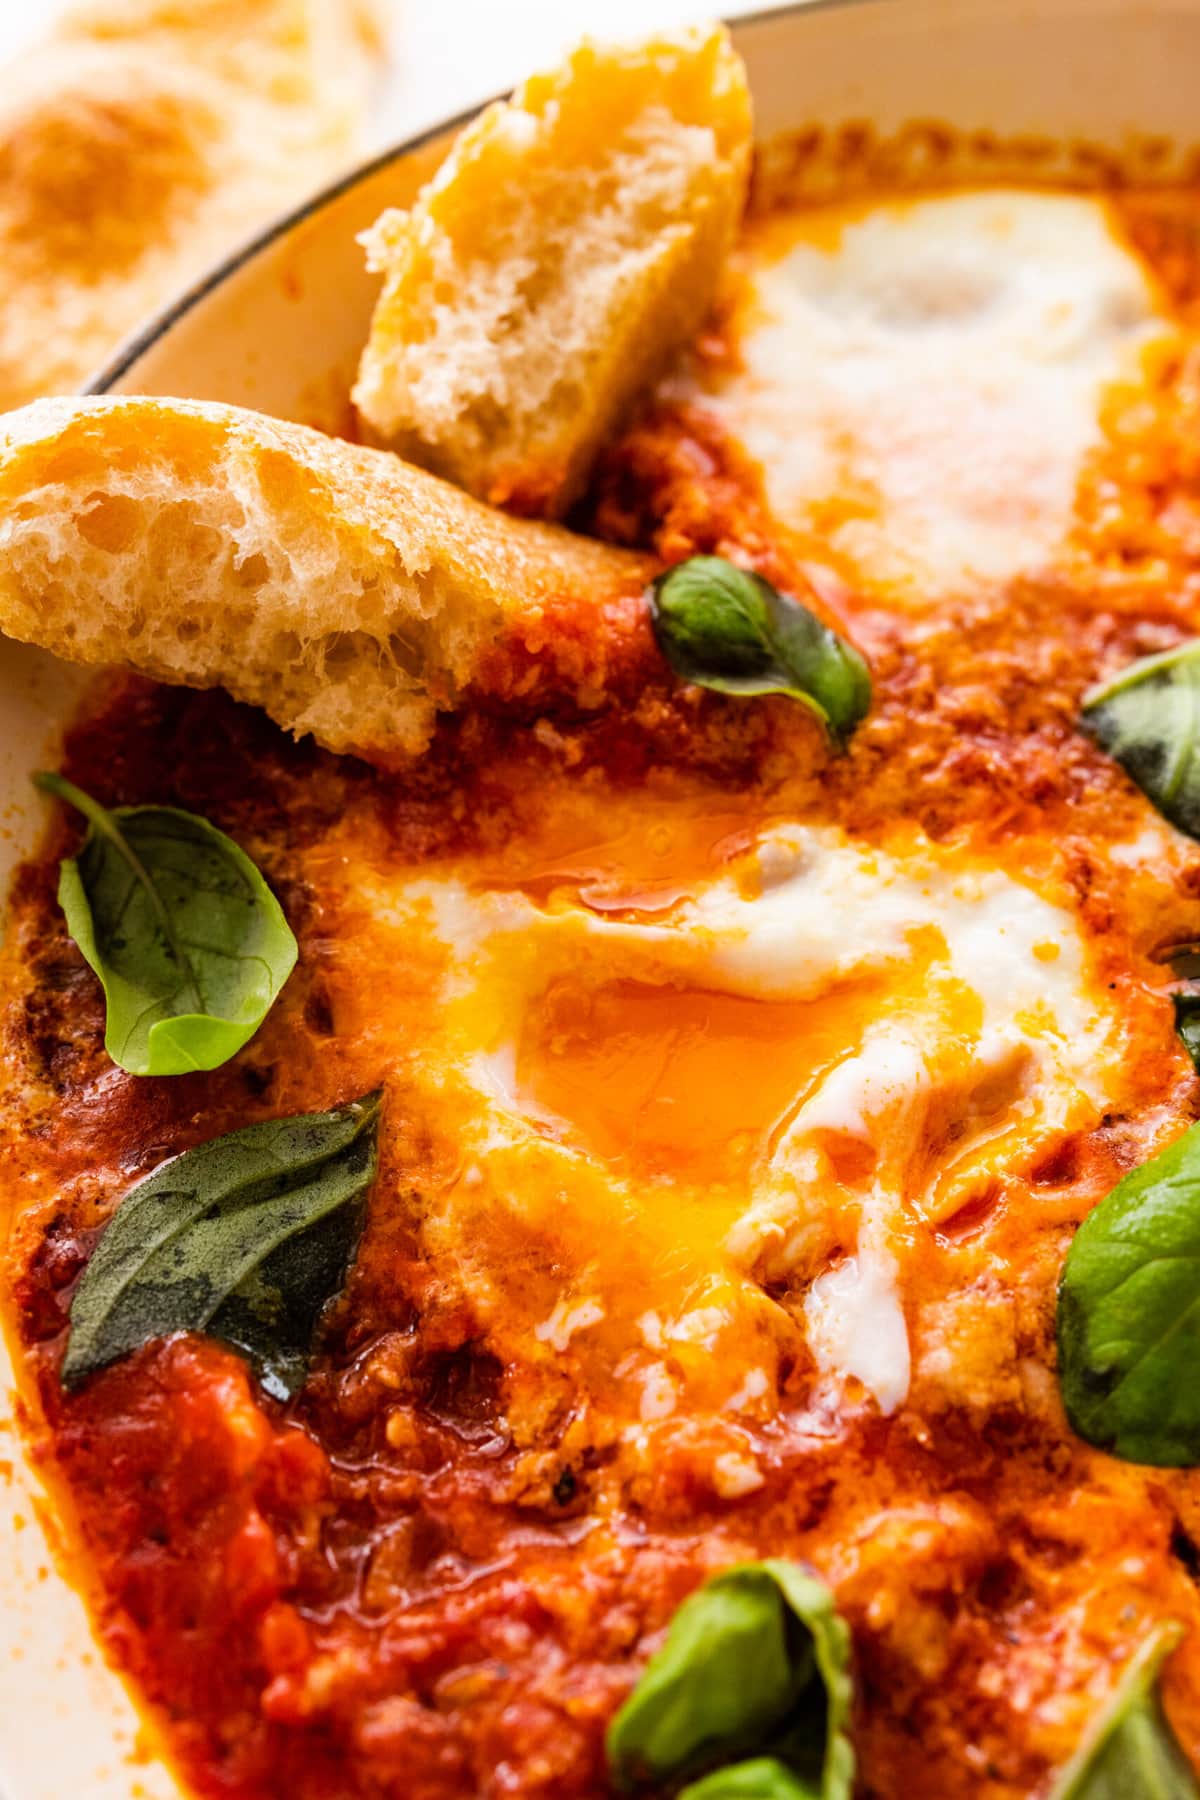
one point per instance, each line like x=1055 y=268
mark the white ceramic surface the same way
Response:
x=281 y=330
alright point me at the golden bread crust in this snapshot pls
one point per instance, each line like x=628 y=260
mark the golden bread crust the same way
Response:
x=347 y=593
x=570 y=243
x=143 y=142
x=297 y=52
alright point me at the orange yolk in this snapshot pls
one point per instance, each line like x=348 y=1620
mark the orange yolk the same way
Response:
x=672 y=1077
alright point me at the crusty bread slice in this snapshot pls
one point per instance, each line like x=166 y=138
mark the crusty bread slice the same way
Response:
x=570 y=242
x=345 y=592
x=294 y=52
x=146 y=139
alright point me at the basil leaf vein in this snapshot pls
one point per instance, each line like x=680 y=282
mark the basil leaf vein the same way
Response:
x=762 y=1778
x=190 y=945
x=756 y=1665
x=730 y=630
x=1130 y=1751
x=1129 y=1314
x=245 y=1237
x=1148 y=719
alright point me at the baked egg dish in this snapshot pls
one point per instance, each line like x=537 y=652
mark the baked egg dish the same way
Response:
x=598 y=1116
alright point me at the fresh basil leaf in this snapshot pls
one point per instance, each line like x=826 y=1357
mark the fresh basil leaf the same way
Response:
x=763 y=1778
x=756 y=1664
x=1129 y=1314
x=728 y=629
x=1187 y=1023
x=245 y=1237
x=189 y=942
x=1148 y=718
x=1130 y=1751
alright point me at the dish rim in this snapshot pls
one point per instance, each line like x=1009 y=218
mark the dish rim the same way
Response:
x=133 y=348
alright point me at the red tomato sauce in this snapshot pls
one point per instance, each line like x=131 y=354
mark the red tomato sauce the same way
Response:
x=383 y=1589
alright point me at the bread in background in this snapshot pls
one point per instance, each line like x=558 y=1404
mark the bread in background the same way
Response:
x=143 y=142
x=346 y=593
x=571 y=241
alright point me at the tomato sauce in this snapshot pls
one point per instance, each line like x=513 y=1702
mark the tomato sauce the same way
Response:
x=421 y=1578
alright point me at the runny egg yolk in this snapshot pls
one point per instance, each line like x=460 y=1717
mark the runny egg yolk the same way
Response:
x=683 y=1078
x=675 y=1120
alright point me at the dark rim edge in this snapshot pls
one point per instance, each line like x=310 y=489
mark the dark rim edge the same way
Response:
x=135 y=347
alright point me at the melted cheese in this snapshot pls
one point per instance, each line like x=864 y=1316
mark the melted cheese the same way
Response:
x=921 y=380
x=761 y=1081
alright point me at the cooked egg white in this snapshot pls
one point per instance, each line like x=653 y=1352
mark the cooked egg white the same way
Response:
x=921 y=380
x=691 y=1127
x=703 y=1086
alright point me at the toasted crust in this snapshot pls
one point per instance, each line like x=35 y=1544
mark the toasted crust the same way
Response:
x=146 y=140
x=571 y=241
x=345 y=592
x=296 y=52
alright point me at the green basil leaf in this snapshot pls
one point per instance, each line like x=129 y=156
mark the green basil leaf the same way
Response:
x=245 y=1238
x=189 y=942
x=756 y=1664
x=1129 y=1314
x=763 y=1778
x=1149 y=720
x=1187 y=1024
x=727 y=629
x=1130 y=1751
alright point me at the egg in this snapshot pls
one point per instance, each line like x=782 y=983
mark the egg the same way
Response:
x=920 y=379
x=692 y=1122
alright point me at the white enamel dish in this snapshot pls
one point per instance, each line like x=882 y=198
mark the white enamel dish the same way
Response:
x=279 y=328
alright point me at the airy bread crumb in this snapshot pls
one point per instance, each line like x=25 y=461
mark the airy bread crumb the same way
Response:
x=343 y=591
x=571 y=241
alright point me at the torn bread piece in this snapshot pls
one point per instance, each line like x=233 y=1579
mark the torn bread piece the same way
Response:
x=571 y=241
x=346 y=593
x=146 y=140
